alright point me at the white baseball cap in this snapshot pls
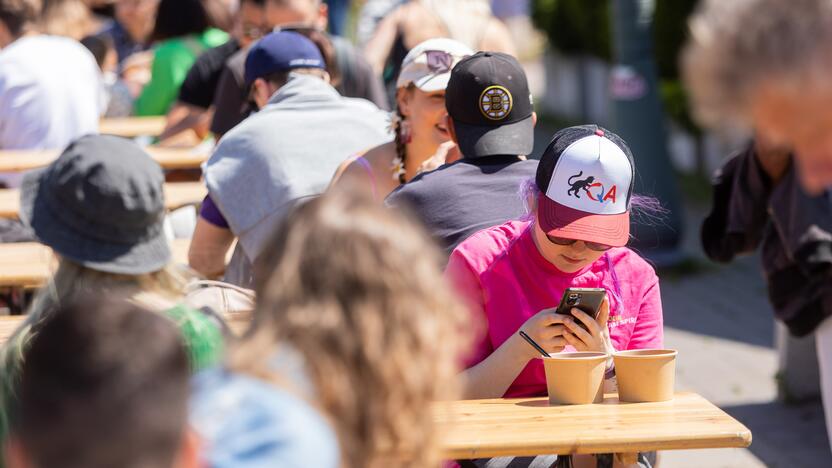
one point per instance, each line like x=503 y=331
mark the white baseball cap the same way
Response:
x=428 y=65
x=586 y=177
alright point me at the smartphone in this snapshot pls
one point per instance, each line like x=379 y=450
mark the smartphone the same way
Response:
x=586 y=299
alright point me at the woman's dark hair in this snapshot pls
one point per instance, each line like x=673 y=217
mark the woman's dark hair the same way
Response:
x=82 y=368
x=99 y=46
x=176 y=18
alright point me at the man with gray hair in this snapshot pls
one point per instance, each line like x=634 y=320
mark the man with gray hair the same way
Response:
x=765 y=65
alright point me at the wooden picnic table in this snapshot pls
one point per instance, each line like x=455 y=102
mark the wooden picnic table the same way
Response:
x=177 y=195
x=29 y=264
x=530 y=426
x=167 y=157
x=132 y=127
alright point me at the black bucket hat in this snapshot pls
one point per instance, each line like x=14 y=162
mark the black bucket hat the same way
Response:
x=100 y=204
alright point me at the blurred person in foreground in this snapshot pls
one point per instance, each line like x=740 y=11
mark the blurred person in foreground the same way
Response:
x=765 y=64
x=285 y=153
x=422 y=141
x=51 y=90
x=355 y=77
x=354 y=323
x=89 y=400
x=491 y=119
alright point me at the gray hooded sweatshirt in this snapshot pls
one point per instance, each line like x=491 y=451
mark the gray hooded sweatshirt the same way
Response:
x=285 y=153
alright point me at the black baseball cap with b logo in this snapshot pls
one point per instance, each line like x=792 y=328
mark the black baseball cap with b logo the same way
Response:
x=489 y=101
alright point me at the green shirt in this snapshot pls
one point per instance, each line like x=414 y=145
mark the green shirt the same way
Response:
x=172 y=59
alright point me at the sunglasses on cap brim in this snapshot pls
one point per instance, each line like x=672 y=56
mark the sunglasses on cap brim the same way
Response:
x=440 y=61
x=590 y=245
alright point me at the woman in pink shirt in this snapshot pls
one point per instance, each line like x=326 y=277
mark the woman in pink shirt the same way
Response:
x=514 y=275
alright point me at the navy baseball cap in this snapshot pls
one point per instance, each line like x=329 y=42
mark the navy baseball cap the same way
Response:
x=281 y=51
x=489 y=101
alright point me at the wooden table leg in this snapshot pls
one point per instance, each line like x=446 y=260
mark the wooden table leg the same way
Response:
x=627 y=458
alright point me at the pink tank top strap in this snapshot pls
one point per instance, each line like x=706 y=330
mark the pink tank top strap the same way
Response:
x=366 y=165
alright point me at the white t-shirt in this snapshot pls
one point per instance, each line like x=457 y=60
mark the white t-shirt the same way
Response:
x=51 y=93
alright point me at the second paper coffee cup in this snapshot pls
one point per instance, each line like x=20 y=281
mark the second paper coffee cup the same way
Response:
x=575 y=378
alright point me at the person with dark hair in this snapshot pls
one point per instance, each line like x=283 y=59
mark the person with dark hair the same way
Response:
x=82 y=371
x=50 y=87
x=352 y=75
x=286 y=152
x=192 y=110
x=493 y=135
x=119 y=99
x=131 y=27
x=102 y=48
x=183 y=30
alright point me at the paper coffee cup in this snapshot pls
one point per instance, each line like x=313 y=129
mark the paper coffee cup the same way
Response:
x=575 y=378
x=645 y=374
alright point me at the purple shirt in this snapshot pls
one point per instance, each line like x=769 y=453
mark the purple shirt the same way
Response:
x=209 y=212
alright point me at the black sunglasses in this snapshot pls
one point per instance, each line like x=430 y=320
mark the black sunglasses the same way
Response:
x=590 y=245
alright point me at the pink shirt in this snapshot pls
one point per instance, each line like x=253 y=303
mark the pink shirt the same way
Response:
x=506 y=280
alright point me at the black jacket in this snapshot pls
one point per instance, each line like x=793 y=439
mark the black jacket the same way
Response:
x=791 y=228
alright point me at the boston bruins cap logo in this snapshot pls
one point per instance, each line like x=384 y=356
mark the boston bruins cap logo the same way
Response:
x=495 y=103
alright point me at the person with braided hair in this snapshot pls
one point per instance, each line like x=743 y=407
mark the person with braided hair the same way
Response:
x=422 y=141
x=491 y=119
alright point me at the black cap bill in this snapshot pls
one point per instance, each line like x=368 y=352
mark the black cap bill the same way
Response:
x=489 y=101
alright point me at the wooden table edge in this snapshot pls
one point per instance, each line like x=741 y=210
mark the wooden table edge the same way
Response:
x=168 y=158
x=741 y=439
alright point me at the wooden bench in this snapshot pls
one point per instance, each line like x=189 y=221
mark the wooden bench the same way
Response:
x=177 y=195
x=132 y=127
x=530 y=426
x=29 y=264
x=168 y=158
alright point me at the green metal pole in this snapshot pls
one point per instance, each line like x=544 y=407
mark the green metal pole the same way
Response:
x=639 y=119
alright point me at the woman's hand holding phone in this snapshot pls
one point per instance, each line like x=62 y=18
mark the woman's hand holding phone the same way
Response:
x=544 y=328
x=596 y=337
